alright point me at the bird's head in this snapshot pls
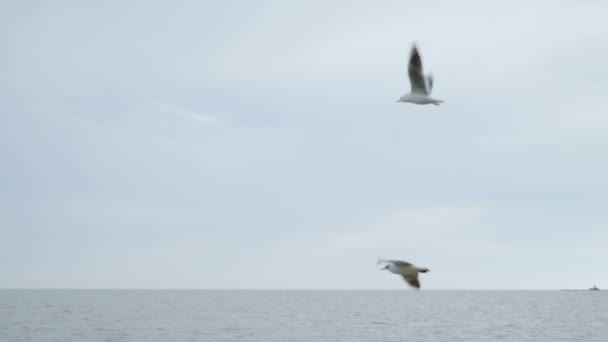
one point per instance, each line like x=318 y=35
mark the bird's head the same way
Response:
x=384 y=268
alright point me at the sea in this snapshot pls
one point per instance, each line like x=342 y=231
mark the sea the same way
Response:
x=302 y=315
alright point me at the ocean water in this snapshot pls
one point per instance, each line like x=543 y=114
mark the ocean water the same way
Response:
x=273 y=316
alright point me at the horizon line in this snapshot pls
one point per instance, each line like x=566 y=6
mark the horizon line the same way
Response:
x=269 y=289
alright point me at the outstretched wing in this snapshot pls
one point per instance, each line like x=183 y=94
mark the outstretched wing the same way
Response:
x=415 y=72
x=412 y=279
x=396 y=262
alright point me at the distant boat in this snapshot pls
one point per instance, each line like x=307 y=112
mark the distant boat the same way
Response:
x=594 y=288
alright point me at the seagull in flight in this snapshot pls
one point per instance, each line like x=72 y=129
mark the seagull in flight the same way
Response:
x=406 y=270
x=422 y=85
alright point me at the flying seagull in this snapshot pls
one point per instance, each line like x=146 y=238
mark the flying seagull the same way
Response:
x=422 y=85
x=406 y=270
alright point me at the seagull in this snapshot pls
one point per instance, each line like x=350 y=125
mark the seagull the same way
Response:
x=408 y=271
x=421 y=84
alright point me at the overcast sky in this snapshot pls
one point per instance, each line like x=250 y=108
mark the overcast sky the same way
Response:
x=258 y=144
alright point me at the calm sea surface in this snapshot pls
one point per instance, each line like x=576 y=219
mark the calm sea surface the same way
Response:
x=201 y=315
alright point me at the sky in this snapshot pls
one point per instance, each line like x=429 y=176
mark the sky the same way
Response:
x=259 y=145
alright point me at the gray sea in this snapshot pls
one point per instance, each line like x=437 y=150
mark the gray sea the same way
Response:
x=274 y=315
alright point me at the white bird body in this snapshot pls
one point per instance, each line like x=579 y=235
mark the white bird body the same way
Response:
x=421 y=84
x=393 y=268
x=420 y=99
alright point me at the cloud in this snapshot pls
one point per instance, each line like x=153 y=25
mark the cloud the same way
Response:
x=213 y=119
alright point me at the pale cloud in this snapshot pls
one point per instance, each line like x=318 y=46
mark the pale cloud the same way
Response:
x=215 y=119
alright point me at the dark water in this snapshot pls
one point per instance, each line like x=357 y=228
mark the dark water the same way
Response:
x=192 y=315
